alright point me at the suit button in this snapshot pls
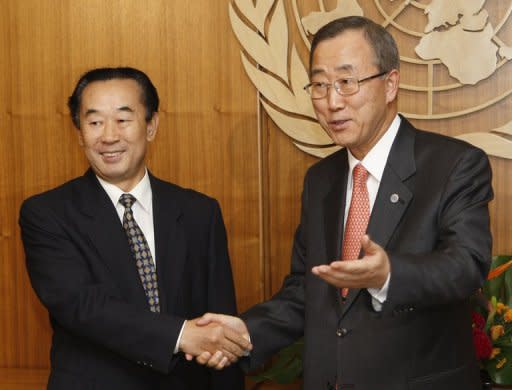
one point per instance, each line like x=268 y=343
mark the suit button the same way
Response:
x=341 y=332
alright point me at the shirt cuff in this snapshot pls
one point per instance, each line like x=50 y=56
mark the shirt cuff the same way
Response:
x=247 y=353
x=177 y=346
x=379 y=296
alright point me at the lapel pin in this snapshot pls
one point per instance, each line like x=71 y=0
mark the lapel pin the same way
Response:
x=394 y=198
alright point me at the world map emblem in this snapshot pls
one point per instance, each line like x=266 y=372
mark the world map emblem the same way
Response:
x=455 y=57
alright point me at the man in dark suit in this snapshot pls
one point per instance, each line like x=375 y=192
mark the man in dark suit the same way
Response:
x=122 y=259
x=399 y=317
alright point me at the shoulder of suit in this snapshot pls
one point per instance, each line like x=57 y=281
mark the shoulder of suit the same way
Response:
x=439 y=143
x=429 y=139
x=182 y=195
x=329 y=165
x=59 y=193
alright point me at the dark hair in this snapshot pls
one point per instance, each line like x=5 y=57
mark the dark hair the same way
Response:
x=381 y=41
x=149 y=93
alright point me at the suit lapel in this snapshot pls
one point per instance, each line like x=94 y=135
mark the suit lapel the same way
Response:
x=105 y=232
x=394 y=196
x=334 y=212
x=170 y=242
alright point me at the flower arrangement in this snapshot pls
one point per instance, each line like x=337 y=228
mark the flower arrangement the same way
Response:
x=492 y=322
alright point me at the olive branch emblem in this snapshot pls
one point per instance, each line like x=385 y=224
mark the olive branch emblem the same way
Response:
x=279 y=77
x=278 y=73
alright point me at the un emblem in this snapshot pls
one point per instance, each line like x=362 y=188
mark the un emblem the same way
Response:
x=454 y=56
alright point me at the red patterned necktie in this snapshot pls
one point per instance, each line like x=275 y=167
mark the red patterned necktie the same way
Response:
x=357 y=220
x=140 y=251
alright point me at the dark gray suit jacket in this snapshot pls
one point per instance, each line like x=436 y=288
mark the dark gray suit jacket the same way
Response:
x=439 y=244
x=81 y=268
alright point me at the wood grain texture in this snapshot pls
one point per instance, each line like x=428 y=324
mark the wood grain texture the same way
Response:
x=23 y=379
x=212 y=136
x=207 y=140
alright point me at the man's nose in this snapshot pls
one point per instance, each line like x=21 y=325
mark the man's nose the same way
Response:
x=335 y=101
x=110 y=132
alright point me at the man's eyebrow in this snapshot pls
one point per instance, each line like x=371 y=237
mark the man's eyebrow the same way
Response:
x=126 y=109
x=344 y=67
x=316 y=71
x=91 y=111
x=348 y=67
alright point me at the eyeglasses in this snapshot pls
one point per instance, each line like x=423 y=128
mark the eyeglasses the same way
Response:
x=345 y=86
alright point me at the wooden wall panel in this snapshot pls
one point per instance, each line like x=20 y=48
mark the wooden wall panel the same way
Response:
x=208 y=137
x=286 y=173
x=212 y=136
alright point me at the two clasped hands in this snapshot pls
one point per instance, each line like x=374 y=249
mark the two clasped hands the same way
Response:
x=218 y=340
x=215 y=340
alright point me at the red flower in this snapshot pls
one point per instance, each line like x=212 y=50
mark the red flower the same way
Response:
x=482 y=343
x=478 y=320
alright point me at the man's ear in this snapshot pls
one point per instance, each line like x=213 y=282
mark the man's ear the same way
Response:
x=152 y=127
x=80 y=137
x=392 y=85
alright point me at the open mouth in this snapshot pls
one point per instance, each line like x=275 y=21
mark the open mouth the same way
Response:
x=338 y=124
x=111 y=156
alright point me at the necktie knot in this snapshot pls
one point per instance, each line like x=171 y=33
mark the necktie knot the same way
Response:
x=127 y=200
x=360 y=175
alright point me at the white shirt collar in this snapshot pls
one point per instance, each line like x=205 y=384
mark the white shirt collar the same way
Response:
x=373 y=161
x=141 y=192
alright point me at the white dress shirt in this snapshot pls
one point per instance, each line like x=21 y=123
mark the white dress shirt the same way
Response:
x=142 y=213
x=142 y=208
x=374 y=162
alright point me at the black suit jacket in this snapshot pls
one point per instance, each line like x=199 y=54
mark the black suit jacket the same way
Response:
x=439 y=244
x=80 y=266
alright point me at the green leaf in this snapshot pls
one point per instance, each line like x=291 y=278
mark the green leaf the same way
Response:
x=505 y=343
x=292 y=372
x=287 y=366
x=492 y=313
x=282 y=374
x=497 y=286
x=503 y=375
x=507 y=297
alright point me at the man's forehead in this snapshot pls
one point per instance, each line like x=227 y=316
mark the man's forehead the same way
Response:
x=117 y=94
x=346 y=53
x=91 y=111
x=118 y=83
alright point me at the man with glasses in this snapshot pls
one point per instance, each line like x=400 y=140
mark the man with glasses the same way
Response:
x=393 y=238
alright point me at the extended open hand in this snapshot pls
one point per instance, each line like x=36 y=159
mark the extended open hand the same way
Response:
x=369 y=272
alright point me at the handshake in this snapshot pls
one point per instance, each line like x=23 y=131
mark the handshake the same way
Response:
x=215 y=340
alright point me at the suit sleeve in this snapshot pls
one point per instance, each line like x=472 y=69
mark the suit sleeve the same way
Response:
x=221 y=294
x=278 y=322
x=460 y=258
x=87 y=308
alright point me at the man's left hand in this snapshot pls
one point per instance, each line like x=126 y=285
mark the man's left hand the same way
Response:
x=371 y=271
